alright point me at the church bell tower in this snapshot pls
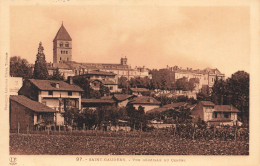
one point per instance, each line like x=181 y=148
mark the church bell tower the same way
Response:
x=62 y=46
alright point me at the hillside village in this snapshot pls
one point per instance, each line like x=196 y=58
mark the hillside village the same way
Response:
x=115 y=96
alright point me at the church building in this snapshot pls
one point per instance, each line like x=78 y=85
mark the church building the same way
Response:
x=62 y=46
x=62 y=59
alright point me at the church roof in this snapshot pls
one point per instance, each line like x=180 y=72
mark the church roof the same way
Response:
x=62 y=34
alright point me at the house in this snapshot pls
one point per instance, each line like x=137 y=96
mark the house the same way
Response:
x=207 y=76
x=122 y=99
x=175 y=105
x=26 y=113
x=57 y=95
x=139 y=91
x=63 y=68
x=147 y=102
x=94 y=103
x=15 y=83
x=172 y=106
x=99 y=78
x=215 y=114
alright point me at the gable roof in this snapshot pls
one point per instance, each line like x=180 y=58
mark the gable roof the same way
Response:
x=108 y=82
x=100 y=101
x=175 y=105
x=139 y=89
x=48 y=85
x=145 y=100
x=62 y=34
x=207 y=103
x=32 y=105
x=157 y=110
x=225 y=108
x=98 y=72
x=122 y=97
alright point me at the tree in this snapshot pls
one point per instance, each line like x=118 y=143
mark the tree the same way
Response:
x=138 y=117
x=40 y=68
x=204 y=93
x=182 y=84
x=57 y=75
x=219 y=92
x=122 y=82
x=104 y=90
x=238 y=87
x=162 y=79
x=20 y=68
x=235 y=91
x=192 y=83
x=107 y=114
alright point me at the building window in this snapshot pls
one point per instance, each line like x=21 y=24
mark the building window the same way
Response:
x=111 y=88
x=50 y=92
x=66 y=52
x=226 y=114
x=214 y=115
x=212 y=79
x=70 y=93
x=67 y=45
x=61 y=44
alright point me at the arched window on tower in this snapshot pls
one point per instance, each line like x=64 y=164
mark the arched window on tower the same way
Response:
x=61 y=52
x=67 y=44
x=61 y=44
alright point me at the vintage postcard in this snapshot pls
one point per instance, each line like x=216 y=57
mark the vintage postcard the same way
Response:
x=130 y=82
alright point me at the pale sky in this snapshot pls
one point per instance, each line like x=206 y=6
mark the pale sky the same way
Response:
x=151 y=36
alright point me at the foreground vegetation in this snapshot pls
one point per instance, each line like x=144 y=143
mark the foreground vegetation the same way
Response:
x=122 y=143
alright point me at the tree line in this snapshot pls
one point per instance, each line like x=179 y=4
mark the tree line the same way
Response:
x=20 y=67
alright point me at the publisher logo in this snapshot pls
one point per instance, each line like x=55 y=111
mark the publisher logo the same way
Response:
x=12 y=161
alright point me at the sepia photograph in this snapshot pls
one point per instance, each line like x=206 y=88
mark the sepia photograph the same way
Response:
x=127 y=80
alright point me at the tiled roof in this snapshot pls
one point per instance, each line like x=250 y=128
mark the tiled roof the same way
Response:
x=122 y=97
x=62 y=66
x=220 y=120
x=106 y=97
x=62 y=34
x=145 y=100
x=175 y=105
x=96 y=72
x=50 y=85
x=207 y=103
x=225 y=108
x=157 y=110
x=204 y=71
x=108 y=82
x=97 y=101
x=139 y=89
x=32 y=105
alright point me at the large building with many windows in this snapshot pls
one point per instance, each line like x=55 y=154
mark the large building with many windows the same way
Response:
x=207 y=77
x=62 y=59
x=57 y=95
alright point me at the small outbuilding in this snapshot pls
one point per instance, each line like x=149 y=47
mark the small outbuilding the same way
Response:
x=26 y=113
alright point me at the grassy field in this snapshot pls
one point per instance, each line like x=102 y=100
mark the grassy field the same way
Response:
x=104 y=144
